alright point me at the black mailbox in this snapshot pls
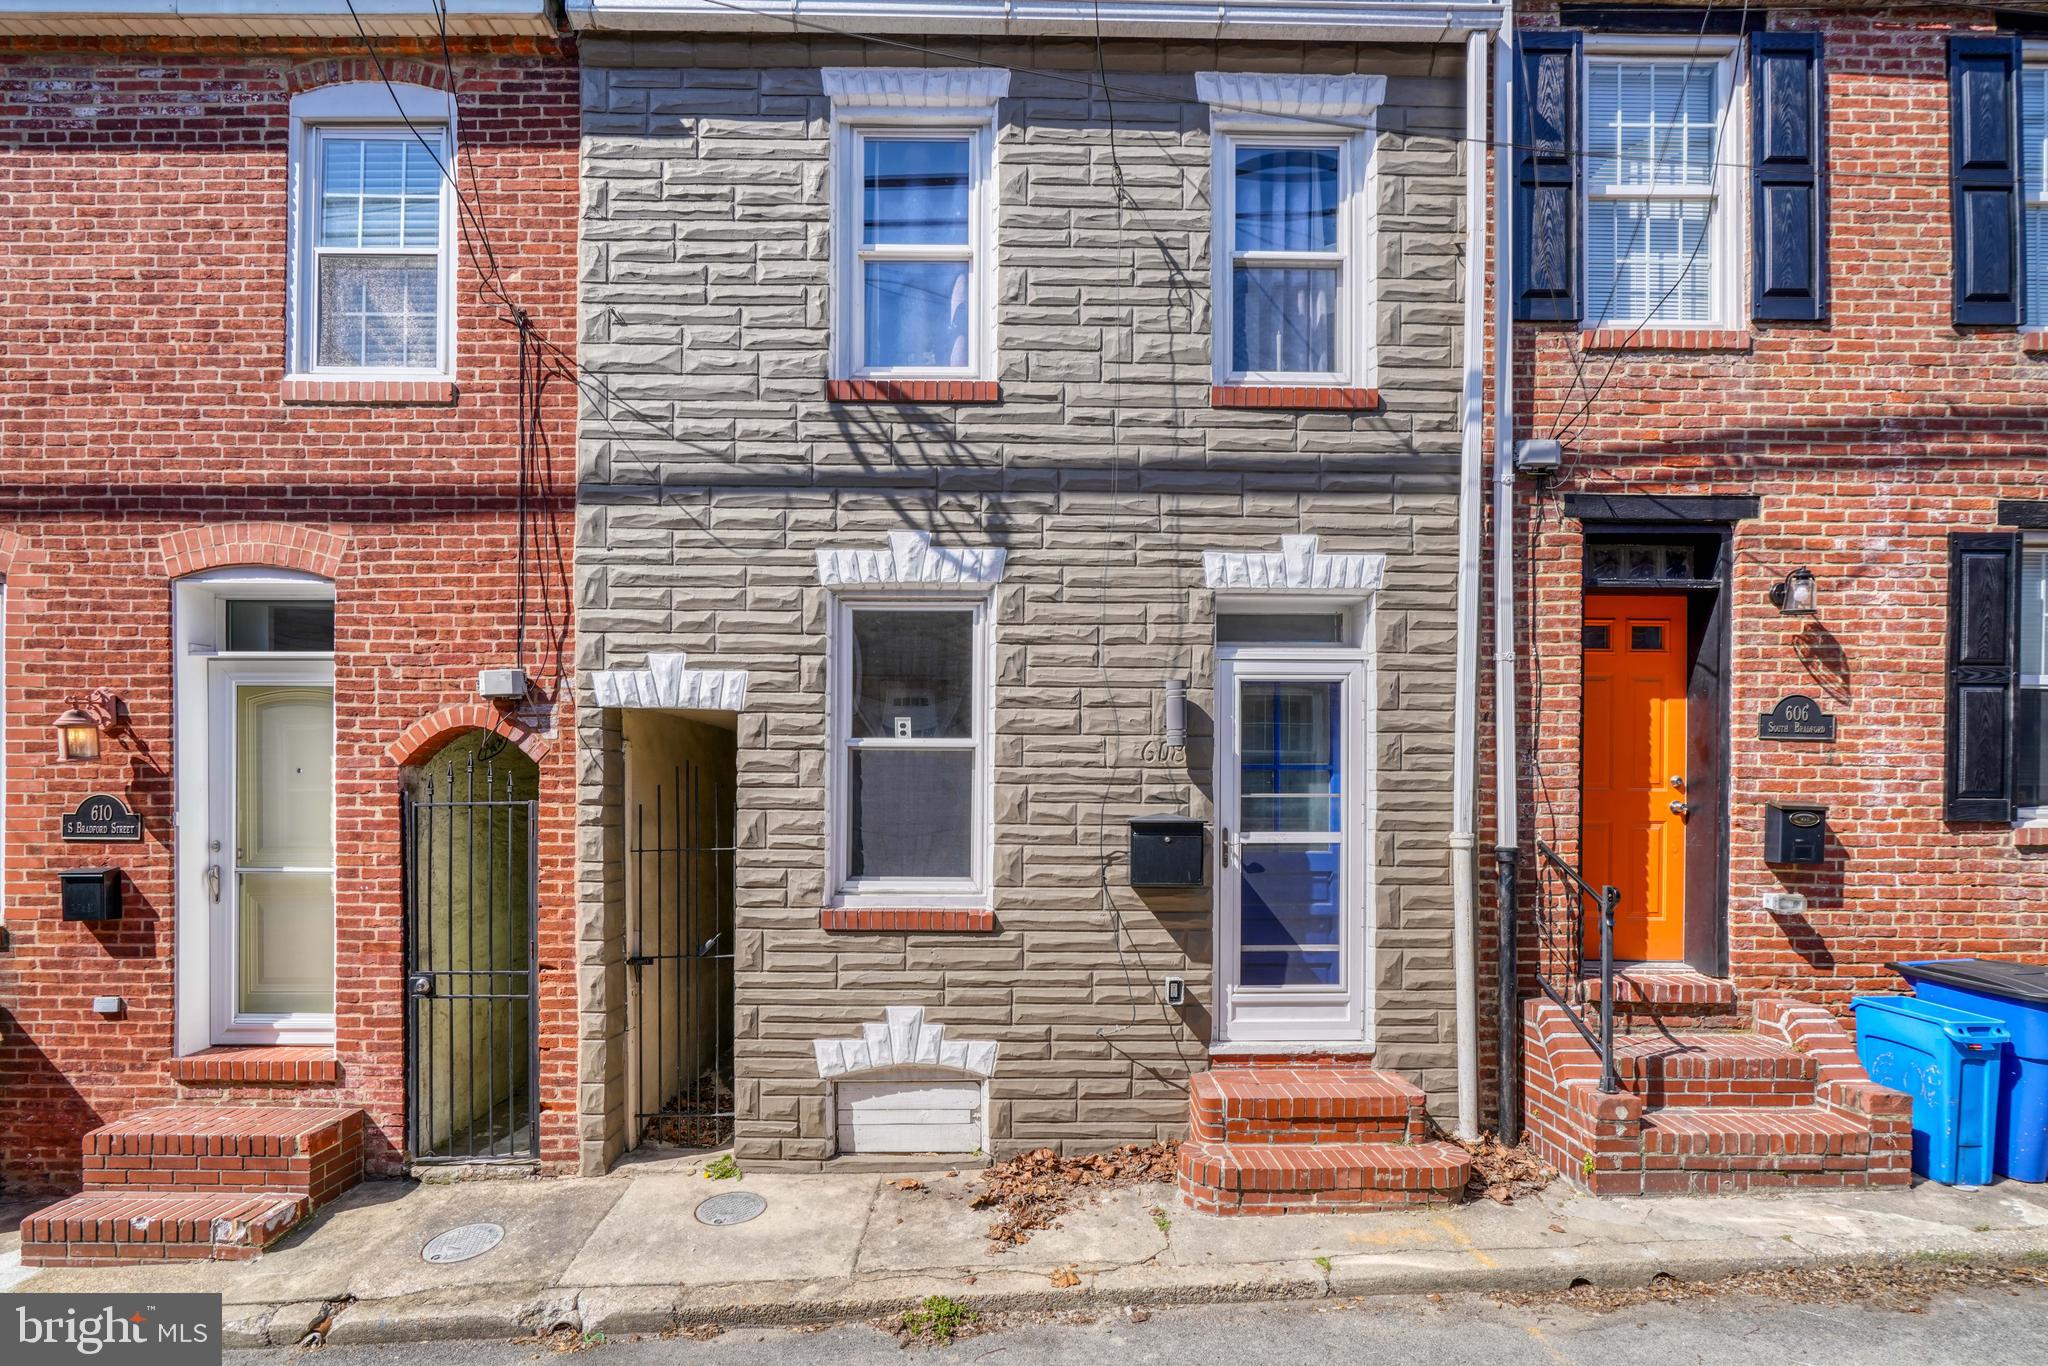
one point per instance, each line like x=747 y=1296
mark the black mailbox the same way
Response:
x=91 y=893
x=1166 y=851
x=1795 y=834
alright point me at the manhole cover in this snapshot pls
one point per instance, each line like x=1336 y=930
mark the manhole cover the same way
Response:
x=460 y=1244
x=734 y=1207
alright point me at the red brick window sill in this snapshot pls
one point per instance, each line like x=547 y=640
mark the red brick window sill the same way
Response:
x=955 y=920
x=1310 y=397
x=369 y=391
x=1665 y=339
x=2035 y=342
x=913 y=391
x=283 y=1065
x=2030 y=836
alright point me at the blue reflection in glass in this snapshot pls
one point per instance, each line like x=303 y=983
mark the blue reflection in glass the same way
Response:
x=914 y=192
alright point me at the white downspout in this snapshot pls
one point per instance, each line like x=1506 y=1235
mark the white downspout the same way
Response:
x=1506 y=796
x=1465 y=707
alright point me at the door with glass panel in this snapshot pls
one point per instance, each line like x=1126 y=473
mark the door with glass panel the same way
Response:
x=270 y=878
x=1291 y=891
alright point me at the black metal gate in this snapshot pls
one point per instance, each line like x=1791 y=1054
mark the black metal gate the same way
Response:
x=680 y=960
x=471 y=918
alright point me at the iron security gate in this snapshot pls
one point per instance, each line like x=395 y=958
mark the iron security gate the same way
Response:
x=679 y=958
x=471 y=902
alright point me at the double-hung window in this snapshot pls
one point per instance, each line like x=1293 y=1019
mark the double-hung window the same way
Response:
x=1663 y=209
x=911 y=743
x=2034 y=180
x=2030 y=789
x=1292 y=293
x=913 y=193
x=372 y=209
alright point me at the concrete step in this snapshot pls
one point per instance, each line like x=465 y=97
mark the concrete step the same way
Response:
x=308 y=1153
x=101 y=1228
x=1714 y=1067
x=1304 y=1104
x=1328 y=1178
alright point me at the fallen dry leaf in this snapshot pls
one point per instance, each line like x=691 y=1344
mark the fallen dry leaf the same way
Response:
x=1032 y=1191
x=1501 y=1173
x=908 y=1183
x=1064 y=1278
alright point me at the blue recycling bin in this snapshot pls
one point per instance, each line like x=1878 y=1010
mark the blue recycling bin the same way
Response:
x=2016 y=995
x=1947 y=1061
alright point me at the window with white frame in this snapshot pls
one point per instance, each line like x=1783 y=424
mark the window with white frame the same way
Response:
x=2031 y=787
x=2034 y=177
x=372 y=258
x=913 y=209
x=1662 y=219
x=910 y=734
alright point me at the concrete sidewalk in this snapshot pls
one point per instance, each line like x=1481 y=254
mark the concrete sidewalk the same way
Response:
x=624 y=1254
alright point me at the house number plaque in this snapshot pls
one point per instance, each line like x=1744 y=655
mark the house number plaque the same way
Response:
x=1797 y=717
x=101 y=819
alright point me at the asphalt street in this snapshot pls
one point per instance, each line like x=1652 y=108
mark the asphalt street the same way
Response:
x=1991 y=1327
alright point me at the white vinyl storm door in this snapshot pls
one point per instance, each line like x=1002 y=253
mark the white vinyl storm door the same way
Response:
x=1292 y=886
x=270 y=879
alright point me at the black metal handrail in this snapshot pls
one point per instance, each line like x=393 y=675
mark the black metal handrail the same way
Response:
x=1605 y=900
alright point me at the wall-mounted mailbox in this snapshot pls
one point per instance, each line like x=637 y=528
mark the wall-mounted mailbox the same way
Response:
x=1166 y=851
x=91 y=893
x=1795 y=834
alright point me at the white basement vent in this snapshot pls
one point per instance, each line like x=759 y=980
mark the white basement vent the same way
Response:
x=903 y=1087
x=909 y=1110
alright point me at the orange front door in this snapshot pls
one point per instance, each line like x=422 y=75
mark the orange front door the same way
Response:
x=1632 y=749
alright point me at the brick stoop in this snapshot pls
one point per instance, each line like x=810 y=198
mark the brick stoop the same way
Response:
x=1297 y=1136
x=198 y=1181
x=1714 y=1109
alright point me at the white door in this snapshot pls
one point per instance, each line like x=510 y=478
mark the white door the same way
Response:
x=270 y=875
x=1292 y=886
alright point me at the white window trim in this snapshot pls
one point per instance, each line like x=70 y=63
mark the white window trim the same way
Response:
x=951 y=893
x=199 y=631
x=886 y=102
x=1357 y=285
x=356 y=107
x=2030 y=816
x=1726 y=255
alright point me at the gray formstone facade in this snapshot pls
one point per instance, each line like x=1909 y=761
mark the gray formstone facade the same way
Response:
x=713 y=468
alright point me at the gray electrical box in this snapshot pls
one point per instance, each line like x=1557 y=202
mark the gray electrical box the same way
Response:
x=1795 y=834
x=502 y=685
x=91 y=893
x=1167 y=851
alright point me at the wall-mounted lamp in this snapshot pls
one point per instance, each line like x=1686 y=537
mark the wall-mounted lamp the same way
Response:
x=1796 y=595
x=1176 y=711
x=78 y=728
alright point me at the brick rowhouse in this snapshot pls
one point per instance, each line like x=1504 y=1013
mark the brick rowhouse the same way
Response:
x=1865 y=440
x=148 y=432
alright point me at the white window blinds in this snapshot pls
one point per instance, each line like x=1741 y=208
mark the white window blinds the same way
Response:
x=1651 y=133
x=2034 y=188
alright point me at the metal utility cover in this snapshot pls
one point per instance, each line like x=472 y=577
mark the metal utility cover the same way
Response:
x=734 y=1207
x=462 y=1243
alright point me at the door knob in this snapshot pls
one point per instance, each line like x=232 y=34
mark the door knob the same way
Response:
x=1678 y=782
x=1681 y=809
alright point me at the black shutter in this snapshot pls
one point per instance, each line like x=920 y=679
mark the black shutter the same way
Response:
x=1983 y=655
x=1545 y=138
x=1789 y=213
x=1984 y=177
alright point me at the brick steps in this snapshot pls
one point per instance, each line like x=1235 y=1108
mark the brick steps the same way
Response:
x=144 y=1226
x=1303 y=1105
x=1714 y=1110
x=198 y=1181
x=1714 y=1067
x=1296 y=1136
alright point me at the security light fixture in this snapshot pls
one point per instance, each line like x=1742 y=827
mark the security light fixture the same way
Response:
x=1176 y=711
x=1796 y=595
x=79 y=726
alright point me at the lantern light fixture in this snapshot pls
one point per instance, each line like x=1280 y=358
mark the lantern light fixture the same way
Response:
x=1796 y=595
x=78 y=727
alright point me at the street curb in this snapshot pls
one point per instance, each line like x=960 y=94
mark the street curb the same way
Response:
x=485 y=1312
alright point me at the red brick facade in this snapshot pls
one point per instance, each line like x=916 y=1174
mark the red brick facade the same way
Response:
x=1866 y=440
x=147 y=432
